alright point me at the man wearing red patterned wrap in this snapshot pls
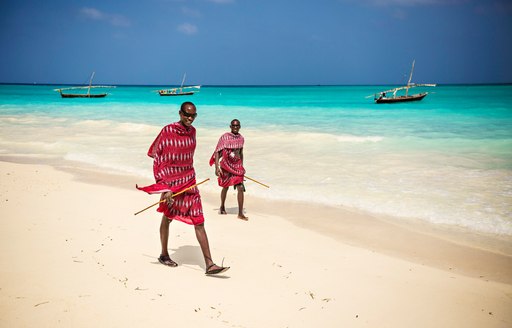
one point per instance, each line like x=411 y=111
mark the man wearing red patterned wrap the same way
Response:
x=173 y=159
x=229 y=166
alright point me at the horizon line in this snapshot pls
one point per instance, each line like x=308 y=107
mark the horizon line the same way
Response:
x=249 y=85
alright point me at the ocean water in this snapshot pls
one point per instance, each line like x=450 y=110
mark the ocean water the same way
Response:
x=446 y=160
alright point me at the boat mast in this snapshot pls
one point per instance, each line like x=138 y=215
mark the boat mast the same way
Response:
x=182 y=81
x=90 y=83
x=410 y=78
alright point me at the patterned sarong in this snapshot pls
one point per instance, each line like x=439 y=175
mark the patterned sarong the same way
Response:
x=173 y=159
x=230 y=162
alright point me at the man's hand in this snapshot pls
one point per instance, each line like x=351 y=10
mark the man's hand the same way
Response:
x=218 y=171
x=168 y=198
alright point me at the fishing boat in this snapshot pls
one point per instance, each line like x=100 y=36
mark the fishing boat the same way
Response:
x=83 y=94
x=384 y=98
x=181 y=91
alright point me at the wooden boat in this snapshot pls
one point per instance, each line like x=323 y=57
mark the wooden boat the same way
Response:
x=80 y=95
x=88 y=94
x=181 y=91
x=382 y=97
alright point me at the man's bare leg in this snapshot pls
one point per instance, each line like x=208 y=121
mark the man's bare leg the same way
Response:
x=202 y=238
x=164 y=240
x=240 y=197
x=223 y=195
x=164 y=235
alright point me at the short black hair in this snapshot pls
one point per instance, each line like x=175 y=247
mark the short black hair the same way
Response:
x=186 y=104
x=235 y=120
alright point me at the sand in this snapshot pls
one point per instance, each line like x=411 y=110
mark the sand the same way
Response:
x=75 y=255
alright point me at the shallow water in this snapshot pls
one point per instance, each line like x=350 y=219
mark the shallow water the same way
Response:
x=445 y=160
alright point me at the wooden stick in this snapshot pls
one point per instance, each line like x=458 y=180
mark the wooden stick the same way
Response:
x=256 y=181
x=173 y=195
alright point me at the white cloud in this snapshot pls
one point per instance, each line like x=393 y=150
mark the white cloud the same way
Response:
x=406 y=3
x=92 y=13
x=222 y=2
x=113 y=19
x=188 y=28
x=119 y=20
x=191 y=12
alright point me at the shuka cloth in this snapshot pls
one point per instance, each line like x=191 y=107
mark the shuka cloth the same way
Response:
x=173 y=159
x=229 y=159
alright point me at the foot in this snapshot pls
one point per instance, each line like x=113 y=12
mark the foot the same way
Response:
x=166 y=260
x=215 y=269
x=243 y=217
x=222 y=210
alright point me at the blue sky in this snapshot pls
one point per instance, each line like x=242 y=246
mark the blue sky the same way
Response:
x=258 y=42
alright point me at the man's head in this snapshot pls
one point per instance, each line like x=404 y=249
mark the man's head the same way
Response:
x=188 y=113
x=235 y=126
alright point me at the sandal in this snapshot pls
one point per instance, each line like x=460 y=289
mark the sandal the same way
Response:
x=210 y=271
x=166 y=260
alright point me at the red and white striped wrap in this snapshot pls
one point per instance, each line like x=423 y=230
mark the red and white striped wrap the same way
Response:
x=231 y=164
x=173 y=159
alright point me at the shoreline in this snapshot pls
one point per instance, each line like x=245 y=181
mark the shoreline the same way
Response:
x=472 y=254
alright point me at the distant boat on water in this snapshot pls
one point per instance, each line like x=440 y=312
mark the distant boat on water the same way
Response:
x=383 y=98
x=181 y=91
x=84 y=94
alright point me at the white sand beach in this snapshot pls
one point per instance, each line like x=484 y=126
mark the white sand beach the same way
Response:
x=75 y=255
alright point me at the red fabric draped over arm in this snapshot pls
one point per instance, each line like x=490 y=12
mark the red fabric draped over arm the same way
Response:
x=172 y=152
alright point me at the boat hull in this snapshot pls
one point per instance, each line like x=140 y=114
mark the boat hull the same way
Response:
x=176 y=94
x=416 y=97
x=71 y=95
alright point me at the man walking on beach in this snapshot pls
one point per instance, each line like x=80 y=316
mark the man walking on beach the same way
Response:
x=229 y=166
x=173 y=155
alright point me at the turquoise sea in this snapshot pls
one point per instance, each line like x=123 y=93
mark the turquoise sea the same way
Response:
x=446 y=160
